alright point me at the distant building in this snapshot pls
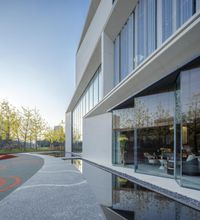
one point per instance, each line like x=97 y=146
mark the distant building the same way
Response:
x=57 y=127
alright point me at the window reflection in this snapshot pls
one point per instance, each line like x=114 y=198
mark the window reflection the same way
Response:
x=123 y=132
x=154 y=122
x=138 y=37
x=190 y=100
x=167 y=19
x=136 y=202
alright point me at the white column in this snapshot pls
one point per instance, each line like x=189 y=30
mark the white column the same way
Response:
x=107 y=59
x=68 y=132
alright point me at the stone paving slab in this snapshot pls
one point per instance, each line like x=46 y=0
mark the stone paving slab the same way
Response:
x=57 y=191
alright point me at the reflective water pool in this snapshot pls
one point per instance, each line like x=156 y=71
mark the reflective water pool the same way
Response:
x=54 y=153
x=130 y=200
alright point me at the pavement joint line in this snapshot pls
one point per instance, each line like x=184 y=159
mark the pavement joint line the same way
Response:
x=60 y=171
x=51 y=185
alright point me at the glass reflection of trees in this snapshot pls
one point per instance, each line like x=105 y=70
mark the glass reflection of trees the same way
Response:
x=154 y=122
x=123 y=132
x=191 y=121
x=190 y=103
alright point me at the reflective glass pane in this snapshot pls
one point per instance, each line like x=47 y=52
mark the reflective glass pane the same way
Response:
x=123 y=136
x=116 y=61
x=91 y=96
x=124 y=52
x=151 y=26
x=96 y=90
x=197 y=5
x=130 y=45
x=190 y=105
x=184 y=11
x=83 y=105
x=87 y=102
x=154 y=119
x=100 y=85
x=166 y=19
x=140 y=31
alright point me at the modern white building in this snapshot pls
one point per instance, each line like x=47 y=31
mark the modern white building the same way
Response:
x=136 y=106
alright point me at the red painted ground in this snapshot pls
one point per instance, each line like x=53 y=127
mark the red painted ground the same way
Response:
x=16 y=170
x=5 y=185
x=6 y=156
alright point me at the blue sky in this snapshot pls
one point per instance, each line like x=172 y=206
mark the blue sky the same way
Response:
x=38 y=43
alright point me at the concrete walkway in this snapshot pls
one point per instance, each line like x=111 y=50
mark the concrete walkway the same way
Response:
x=56 y=191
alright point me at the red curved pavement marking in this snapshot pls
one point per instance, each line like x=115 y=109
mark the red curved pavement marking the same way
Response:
x=2 y=182
x=17 y=181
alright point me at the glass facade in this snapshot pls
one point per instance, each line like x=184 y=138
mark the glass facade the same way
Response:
x=160 y=134
x=138 y=37
x=167 y=25
x=123 y=136
x=190 y=115
x=90 y=98
x=185 y=9
x=197 y=5
x=154 y=116
x=124 y=55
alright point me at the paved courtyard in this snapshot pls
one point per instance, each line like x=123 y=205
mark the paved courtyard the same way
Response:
x=56 y=191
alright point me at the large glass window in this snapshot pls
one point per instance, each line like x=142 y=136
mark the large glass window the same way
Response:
x=190 y=105
x=123 y=136
x=91 y=95
x=167 y=25
x=154 y=120
x=185 y=9
x=151 y=26
x=141 y=32
x=197 y=5
x=116 y=61
x=96 y=90
x=138 y=37
x=124 y=52
x=100 y=78
x=131 y=43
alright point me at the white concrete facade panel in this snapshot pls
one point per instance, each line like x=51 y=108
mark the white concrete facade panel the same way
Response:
x=91 y=38
x=68 y=132
x=97 y=138
x=107 y=57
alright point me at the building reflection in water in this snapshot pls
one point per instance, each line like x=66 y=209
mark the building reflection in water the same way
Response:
x=131 y=200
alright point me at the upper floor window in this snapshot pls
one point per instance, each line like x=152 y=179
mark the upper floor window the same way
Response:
x=167 y=26
x=143 y=31
x=185 y=9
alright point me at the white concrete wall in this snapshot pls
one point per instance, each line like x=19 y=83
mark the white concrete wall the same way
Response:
x=100 y=183
x=97 y=139
x=68 y=132
x=91 y=38
x=107 y=58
